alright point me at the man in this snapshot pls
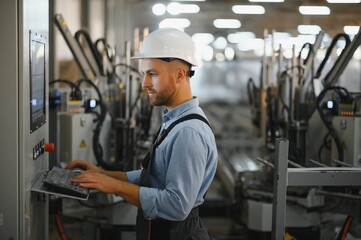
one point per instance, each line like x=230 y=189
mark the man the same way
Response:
x=182 y=161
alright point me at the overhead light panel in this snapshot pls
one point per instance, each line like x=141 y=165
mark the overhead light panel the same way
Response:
x=308 y=29
x=351 y=30
x=251 y=44
x=227 y=23
x=266 y=0
x=344 y=1
x=220 y=43
x=178 y=8
x=229 y=53
x=240 y=36
x=208 y=53
x=202 y=38
x=179 y=23
x=248 y=9
x=314 y=10
x=159 y=9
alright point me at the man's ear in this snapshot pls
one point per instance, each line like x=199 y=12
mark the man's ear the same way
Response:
x=181 y=74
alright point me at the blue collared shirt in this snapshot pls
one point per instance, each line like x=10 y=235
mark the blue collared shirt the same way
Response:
x=183 y=168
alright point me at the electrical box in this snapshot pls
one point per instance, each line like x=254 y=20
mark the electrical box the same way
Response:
x=75 y=137
x=349 y=132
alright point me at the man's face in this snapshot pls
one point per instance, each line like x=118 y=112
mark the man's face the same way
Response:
x=159 y=80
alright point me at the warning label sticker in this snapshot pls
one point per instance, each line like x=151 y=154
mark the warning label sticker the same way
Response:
x=83 y=144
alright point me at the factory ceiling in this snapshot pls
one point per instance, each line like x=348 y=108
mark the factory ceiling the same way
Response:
x=279 y=16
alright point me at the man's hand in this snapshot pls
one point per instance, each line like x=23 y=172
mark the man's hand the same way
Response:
x=95 y=180
x=85 y=165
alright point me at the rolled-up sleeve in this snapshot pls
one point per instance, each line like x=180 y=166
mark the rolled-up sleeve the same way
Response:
x=134 y=176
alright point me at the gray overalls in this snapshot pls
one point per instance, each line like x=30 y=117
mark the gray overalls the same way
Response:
x=162 y=229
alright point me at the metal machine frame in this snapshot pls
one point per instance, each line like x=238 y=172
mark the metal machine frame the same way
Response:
x=284 y=177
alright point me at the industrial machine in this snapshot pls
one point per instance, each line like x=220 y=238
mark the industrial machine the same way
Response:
x=320 y=118
x=104 y=118
x=24 y=65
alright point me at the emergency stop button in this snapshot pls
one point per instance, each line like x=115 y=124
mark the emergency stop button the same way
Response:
x=49 y=147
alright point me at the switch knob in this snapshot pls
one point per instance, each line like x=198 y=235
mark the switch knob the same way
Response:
x=49 y=147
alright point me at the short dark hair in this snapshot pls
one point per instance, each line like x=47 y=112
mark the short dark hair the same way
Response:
x=190 y=72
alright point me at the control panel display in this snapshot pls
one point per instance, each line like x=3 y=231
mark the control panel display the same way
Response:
x=37 y=81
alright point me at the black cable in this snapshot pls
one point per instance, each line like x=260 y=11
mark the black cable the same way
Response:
x=75 y=90
x=311 y=52
x=324 y=144
x=106 y=47
x=97 y=148
x=327 y=123
x=251 y=87
x=329 y=51
x=94 y=51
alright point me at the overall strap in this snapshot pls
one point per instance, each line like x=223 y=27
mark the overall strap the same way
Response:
x=165 y=132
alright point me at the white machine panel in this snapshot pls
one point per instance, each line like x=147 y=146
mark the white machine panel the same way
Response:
x=349 y=131
x=24 y=119
x=76 y=133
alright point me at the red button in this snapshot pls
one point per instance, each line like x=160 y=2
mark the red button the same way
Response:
x=49 y=147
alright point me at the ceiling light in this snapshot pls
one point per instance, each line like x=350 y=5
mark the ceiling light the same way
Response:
x=189 y=0
x=158 y=9
x=220 y=57
x=266 y=0
x=240 y=36
x=308 y=29
x=344 y=1
x=351 y=30
x=357 y=54
x=207 y=53
x=229 y=53
x=248 y=9
x=177 y=8
x=251 y=44
x=179 y=23
x=220 y=43
x=314 y=10
x=227 y=23
x=202 y=38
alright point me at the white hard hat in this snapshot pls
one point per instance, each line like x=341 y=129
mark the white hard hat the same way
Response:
x=168 y=43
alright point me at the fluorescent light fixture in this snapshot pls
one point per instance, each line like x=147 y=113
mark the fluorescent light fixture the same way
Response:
x=178 y=8
x=251 y=44
x=281 y=35
x=229 y=53
x=351 y=30
x=314 y=10
x=220 y=43
x=202 y=38
x=357 y=54
x=240 y=36
x=308 y=29
x=227 y=23
x=159 y=9
x=266 y=0
x=220 y=57
x=344 y=1
x=179 y=23
x=189 y=0
x=207 y=53
x=248 y=9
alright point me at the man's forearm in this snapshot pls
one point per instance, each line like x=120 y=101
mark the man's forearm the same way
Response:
x=116 y=174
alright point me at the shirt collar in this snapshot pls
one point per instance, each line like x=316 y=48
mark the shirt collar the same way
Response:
x=180 y=110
